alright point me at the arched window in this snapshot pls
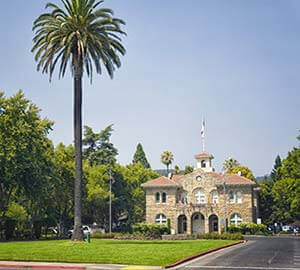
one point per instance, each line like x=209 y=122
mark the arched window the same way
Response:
x=203 y=164
x=235 y=219
x=239 y=197
x=164 y=197
x=199 y=196
x=157 y=197
x=231 y=197
x=160 y=219
x=215 y=197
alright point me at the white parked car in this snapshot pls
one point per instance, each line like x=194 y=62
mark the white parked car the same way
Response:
x=85 y=228
x=287 y=228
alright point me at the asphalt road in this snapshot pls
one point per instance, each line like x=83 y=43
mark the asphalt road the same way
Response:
x=259 y=253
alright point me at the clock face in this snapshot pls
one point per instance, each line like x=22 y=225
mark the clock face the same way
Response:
x=198 y=178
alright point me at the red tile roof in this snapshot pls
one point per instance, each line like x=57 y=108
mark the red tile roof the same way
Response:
x=237 y=179
x=204 y=155
x=161 y=182
x=176 y=180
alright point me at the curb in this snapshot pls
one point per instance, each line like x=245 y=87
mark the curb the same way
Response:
x=42 y=266
x=202 y=254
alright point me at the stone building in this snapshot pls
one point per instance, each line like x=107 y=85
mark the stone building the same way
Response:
x=201 y=201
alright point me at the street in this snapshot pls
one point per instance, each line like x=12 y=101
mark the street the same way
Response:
x=259 y=253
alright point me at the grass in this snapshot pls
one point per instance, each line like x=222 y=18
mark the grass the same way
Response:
x=131 y=252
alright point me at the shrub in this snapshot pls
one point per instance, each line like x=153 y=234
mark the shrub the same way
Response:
x=150 y=230
x=249 y=228
x=234 y=229
x=99 y=235
x=223 y=236
x=232 y=236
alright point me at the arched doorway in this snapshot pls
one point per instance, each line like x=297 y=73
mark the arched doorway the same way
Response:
x=181 y=221
x=197 y=223
x=213 y=223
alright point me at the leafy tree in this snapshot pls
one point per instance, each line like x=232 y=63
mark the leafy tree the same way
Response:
x=177 y=169
x=245 y=172
x=80 y=35
x=275 y=174
x=25 y=152
x=98 y=149
x=167 y=158
x=286 y=191
x=140 y=156
x=188 y=169
x=134 y=175
x=230 y=163
x=266 y=201
x=63 y=187
x=298 y=137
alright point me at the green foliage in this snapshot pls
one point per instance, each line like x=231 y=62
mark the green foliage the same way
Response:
x=245 y=172
x=140 y=156
x=16 y=212
x=230 y=163
x=128 y=197
x=169 y=225
x=62 y=188
x=223 y=236
x=249 y=228
x=167 y=158
x=86 y=36
x=177 y=170
x=286 y=191
x=98 y=235
x=275 y=174
x=98 y=150
x=134 y=199
x=188 y=169
x=150 y=230
x=25 y=155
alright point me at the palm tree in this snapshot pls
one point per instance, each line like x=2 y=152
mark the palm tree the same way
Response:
x=166 y=158
x=85 y=36
x=230 y=163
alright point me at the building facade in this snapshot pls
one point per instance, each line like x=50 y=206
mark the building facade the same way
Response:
x=202 y=201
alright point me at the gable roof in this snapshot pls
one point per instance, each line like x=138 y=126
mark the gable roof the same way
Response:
x=161 y=181
x=176 y=180
x=204 y=155
x=232 y=179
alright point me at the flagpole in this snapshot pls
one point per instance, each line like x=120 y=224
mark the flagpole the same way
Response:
x=203 y=134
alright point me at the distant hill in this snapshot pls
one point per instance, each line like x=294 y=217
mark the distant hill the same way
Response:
x=260 y=178
x=164 y=171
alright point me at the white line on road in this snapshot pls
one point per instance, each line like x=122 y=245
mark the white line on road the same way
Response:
x=239 y=267
x=271 y=259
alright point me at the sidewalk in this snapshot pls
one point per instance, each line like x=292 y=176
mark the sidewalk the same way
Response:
x=75 y=266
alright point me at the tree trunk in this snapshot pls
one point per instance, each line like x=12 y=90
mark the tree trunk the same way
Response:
x=77 y=233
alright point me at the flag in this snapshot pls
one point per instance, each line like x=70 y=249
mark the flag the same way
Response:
x=203 y=129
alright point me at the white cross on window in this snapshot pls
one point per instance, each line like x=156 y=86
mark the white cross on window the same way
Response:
x=235 y=219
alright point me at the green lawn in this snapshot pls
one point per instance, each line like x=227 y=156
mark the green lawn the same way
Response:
x=107 y=251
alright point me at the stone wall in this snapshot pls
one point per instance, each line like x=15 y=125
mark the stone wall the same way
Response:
x=173 y=208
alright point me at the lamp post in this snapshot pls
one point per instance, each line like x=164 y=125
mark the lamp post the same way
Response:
x=225 y=212
x=110 y=183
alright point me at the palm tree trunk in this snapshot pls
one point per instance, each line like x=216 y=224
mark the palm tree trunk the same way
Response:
x=77 y=233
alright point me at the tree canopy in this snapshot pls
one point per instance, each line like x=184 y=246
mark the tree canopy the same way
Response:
x=245 y=172
x=230 y=163
x=167 y=158
x=140 y=156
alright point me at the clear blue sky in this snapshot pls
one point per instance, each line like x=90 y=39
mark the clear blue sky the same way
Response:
x=235 y=62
